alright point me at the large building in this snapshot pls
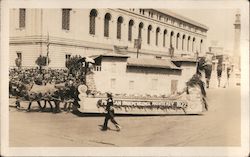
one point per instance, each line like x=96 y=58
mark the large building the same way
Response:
x=62 y=33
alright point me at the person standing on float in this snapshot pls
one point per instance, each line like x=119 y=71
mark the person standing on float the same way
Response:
x=110 y=114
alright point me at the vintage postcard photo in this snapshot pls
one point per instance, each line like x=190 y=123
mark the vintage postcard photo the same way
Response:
x=144 y=78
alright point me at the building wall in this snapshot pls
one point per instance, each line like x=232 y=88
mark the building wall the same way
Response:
x=29 y=54
x=117 y=78
x=188 y=70
x=44 y=26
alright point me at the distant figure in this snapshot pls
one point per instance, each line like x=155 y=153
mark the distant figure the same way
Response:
x=110 y=114
x=219 y=72
x=228 y=76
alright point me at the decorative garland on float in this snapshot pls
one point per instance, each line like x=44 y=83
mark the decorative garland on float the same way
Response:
x=146 y=105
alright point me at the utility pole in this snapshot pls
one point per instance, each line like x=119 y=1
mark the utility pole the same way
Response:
x=171 y=51
x=48 y=44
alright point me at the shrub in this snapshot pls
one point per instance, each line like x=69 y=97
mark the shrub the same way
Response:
x=18 y=62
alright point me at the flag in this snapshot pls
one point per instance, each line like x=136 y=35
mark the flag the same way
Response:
x=137 y=43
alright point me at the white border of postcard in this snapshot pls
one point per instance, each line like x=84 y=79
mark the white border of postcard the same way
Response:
x=243 y=150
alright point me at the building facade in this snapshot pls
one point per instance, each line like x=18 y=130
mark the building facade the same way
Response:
x=62 y=33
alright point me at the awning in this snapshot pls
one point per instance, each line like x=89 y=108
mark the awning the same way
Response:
x=115 y=55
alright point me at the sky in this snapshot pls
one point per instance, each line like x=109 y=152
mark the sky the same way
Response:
x=220 y=23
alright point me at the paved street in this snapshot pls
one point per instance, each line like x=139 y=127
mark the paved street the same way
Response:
x=220 y=126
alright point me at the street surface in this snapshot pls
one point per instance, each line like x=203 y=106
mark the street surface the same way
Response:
x=220 y=126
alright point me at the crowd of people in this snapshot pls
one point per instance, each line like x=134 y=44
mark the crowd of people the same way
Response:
x=21 y=81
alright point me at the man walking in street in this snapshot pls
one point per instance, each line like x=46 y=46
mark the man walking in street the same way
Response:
x=110 y=114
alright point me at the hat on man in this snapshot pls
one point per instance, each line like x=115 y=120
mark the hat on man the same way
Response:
x=109 y=94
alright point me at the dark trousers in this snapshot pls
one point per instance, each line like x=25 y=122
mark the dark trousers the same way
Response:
x=107 y=118
x=57 y=106
x=45 y=103
x=38 y=102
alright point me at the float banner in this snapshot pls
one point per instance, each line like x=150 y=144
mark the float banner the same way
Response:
x=173 y=104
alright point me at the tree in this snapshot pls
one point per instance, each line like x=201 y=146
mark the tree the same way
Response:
x=42 y=61
x=74 y=65
x=206 y=67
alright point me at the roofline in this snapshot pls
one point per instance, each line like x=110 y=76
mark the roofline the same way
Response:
x=114 y=56
x=155 y=67
x=180 y=17
x=103 y=55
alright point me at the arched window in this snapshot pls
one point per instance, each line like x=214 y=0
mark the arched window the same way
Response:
x=139 y=30
x=149 y=31
x=171 y=39
x=193 y=44
x=130 y=26
x=177 y=40
x=201 y=45
x=107 y=18
x=92 y=16
x=119 y=25
x=156 y=36
x=188 y=43
x=164 y=37
x=183 y=39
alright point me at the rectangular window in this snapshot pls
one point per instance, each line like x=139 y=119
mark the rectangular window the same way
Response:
x=65 y=19
x=131 y=85
x=22 y=17
x=19 y=55
x=154 y=84
x=67 y=57
x=113 y=83
x=18 y=60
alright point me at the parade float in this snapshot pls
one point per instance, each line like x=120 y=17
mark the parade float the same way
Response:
x=141 y=87
x=188 y=102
